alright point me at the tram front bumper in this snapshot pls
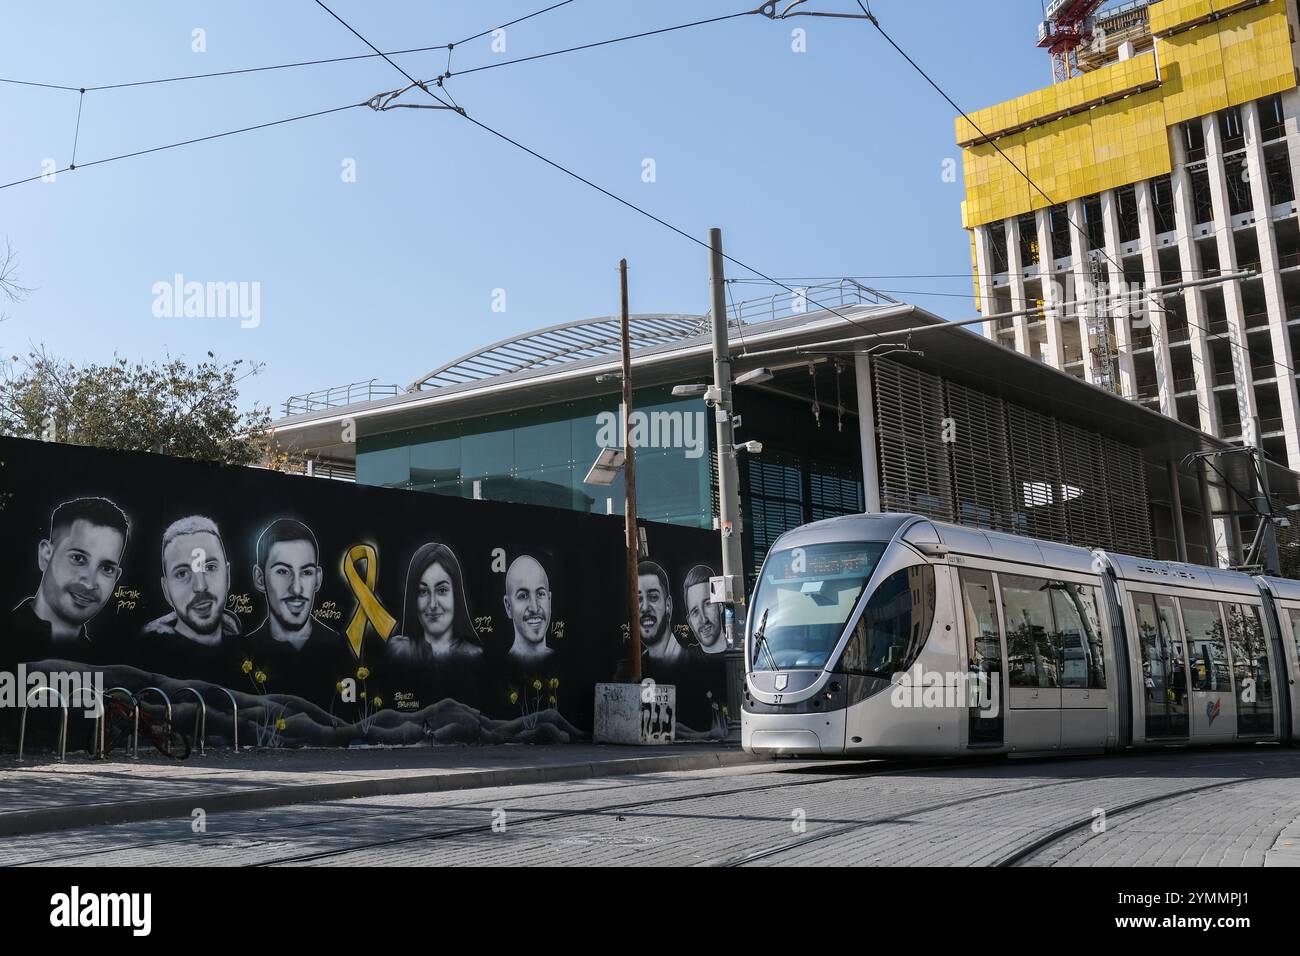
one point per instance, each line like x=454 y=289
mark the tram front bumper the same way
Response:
x=792 y=734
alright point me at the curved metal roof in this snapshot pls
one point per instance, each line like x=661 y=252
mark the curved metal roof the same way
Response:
x=558 y=344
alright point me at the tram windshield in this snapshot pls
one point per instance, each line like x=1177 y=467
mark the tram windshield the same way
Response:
x=803 y=601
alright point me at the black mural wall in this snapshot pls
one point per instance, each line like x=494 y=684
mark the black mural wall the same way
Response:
x=336 y=613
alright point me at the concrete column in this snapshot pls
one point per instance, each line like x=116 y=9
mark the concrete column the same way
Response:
x=1015 y=271
x=1272 y=278
x=1119 y=309
x=1190 y=259
x=1232 y=301
x=983 y=263
x=1151 y=305
x=1291 y=111
x=867 y=433
x=1051 y=292
x=1082 y=283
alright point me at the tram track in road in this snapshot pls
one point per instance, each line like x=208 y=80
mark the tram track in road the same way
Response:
x=1056 y=835
x=831 y=770
x=829 y=776
x=1025 y=853
x=372 y=813
x=846 y=829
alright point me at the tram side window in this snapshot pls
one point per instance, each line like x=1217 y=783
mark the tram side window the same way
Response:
x=894 y=624
x=1206 y=646
x=1294 y=614
x=1078 y=632
x=1027 y=608
x=983 y=646
x=1251 y=669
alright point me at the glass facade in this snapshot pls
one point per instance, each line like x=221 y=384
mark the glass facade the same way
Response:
x=539 y=456
x=810 y=469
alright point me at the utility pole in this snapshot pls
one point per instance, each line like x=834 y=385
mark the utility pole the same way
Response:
x=629 y=509
x=729 y=521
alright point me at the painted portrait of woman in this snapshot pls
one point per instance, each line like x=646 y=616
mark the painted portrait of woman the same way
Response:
x=436 y=623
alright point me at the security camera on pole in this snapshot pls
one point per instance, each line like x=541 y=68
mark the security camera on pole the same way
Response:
x=729 y=589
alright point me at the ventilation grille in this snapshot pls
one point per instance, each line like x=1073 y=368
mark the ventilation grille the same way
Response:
x=1126 y=497
x=1036 y=475
x=981 y=481
x=914 y=472
x=1084 y=486
x=956 y=454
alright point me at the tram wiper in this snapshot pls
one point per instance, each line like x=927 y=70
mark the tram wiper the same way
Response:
x=760 y=639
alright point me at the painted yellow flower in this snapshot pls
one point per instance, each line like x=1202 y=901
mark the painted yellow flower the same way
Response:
x=551 y=700
x=555 y=682
x=260 y=677
x=248 y=667
x=724 y=711
x=363 y=673
x=514 y=697
x=280 y=724
x=339 y=687
x=378 y=702
x=537 y=685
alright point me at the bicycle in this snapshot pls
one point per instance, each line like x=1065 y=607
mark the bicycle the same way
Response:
x=119 y=725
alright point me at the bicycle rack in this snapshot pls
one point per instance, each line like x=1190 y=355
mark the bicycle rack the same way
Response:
x=100 y=719
x=234 y=718
x=63 y=726
x=166 y=700
x=200 y=717
x=135 y=716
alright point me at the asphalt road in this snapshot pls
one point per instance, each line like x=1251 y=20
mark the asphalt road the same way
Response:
x=1209 y=808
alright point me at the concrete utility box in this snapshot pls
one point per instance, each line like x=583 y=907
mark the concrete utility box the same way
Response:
x=644 y=713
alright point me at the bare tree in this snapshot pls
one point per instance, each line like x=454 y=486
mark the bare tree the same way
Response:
x=10 y=287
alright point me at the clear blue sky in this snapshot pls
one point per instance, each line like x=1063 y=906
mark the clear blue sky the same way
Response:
x=827 y=162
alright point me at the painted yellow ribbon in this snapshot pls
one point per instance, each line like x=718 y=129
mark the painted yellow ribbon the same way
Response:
x=370 y=610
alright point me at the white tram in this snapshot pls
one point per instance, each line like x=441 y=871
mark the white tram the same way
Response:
x=892 y=634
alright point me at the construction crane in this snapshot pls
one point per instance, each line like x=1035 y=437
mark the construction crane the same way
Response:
x=1067 y=25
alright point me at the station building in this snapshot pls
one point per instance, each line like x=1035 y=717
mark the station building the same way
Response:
x=871 y=405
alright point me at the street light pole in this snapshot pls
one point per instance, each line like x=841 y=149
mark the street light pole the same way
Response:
x=733 y=566
x=629 y=475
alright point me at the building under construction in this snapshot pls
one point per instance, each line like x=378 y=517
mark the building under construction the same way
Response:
x=1135 y=223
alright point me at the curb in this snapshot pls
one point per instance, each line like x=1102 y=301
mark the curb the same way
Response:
x=26 y=822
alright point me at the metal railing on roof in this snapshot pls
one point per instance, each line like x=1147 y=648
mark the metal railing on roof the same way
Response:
x=338 y=395
x=816 y=297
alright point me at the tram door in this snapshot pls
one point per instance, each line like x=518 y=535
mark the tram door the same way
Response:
x=1252 y=670
x=1290 y=678
x=983 y=659
x=1164 y=667
x=1291 y=646
x=1213 y=703
x=1084 y=717
x=1033 y=663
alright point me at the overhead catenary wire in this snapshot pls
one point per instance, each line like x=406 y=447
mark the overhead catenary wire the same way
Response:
x=187 y=142
x=599 y=43
x=449 y=47
x=571 y=173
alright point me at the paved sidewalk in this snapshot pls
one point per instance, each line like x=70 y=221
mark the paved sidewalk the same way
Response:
x=39 y=795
